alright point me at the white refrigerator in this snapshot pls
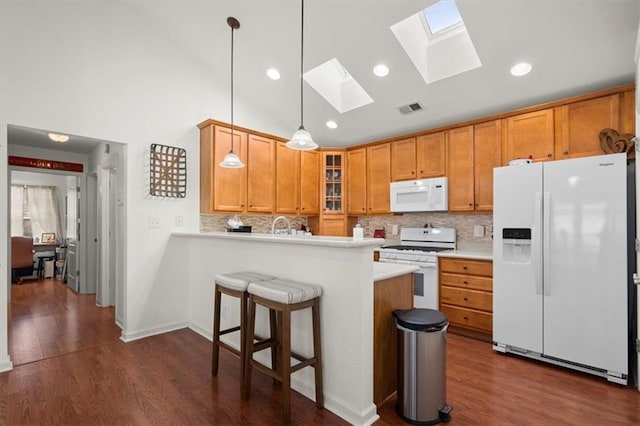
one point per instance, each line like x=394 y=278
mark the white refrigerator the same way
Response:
x=560 y=263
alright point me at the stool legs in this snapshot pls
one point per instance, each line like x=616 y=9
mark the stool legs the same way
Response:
x=216 y=332
x=317 y=353
x=285 y=364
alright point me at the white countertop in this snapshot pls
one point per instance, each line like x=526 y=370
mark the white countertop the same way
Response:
x=383 y=271
x=314 y=240
x=477 y=251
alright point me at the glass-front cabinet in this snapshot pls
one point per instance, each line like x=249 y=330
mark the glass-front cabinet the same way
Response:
x=333 y=182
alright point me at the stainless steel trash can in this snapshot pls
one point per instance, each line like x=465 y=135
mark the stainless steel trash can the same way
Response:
x=422 y=338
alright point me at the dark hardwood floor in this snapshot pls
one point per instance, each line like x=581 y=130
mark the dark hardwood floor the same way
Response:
x=92 y=378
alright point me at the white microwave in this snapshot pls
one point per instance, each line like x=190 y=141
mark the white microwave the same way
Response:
x=424 y=195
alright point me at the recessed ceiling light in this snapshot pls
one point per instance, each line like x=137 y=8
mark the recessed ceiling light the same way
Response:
x=58 y=137
x=381 y=70
x=332 y=124
x=520 y=69
x=273 y=74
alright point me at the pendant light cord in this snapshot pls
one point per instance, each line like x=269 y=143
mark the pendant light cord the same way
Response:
x=231 y=89
x=301 y=66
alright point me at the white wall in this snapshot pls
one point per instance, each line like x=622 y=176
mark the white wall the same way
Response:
x=98 y=69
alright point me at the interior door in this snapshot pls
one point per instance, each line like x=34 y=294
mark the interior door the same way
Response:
x=73 y=237
x=585 y=285
x=517 y=269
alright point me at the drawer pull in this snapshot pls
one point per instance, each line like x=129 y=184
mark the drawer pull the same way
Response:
x=465 y=318
x=466 y=300
x=465 y=282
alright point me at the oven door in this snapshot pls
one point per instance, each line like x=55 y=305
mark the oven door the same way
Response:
x=425 y=287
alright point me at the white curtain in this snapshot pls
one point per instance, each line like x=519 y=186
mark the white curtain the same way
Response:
x=44 y=211
x=17 y=214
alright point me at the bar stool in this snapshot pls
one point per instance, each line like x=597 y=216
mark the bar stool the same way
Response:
x=284 y=296
x=235 y=285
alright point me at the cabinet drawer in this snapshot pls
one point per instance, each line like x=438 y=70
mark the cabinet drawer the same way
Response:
x=465 y=266
x=467 y=281
x=466 y=298
x=468 y=318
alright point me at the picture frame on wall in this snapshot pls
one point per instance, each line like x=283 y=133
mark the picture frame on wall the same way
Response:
x=48 y=238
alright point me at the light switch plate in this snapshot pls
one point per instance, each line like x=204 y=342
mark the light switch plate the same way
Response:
x=394 y=229
x=478 y=231
x=154 y=222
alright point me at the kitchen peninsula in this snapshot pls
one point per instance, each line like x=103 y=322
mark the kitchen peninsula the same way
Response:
x=345 y=270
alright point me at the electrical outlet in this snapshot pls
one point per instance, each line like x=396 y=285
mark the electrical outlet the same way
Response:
x=154 y=223
x=179 y=220
x=394 y=229
x=478 y=231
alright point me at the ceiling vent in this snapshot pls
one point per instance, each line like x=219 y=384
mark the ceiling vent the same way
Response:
x=406 y=109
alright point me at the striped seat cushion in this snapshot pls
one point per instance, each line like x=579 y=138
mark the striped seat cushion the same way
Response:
x=285 y=291
x=240 y=280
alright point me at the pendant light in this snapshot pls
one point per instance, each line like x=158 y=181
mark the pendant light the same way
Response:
x=301 y=139
x=231 y=160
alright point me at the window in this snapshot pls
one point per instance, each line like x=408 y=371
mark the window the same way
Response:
x=35 y=211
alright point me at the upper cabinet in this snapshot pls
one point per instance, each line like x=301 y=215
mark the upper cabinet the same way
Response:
x=297 y=181
x=260 y=174
x=403 y=159
x=529 y=135
x=578 y=125
x=473 y=153
x=333 y=188
x=221 y=189
x=357 y=182
x=431 y=153
x=417 y=158
x=378 y=178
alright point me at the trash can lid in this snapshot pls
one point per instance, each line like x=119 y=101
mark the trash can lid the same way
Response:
x=421 y=319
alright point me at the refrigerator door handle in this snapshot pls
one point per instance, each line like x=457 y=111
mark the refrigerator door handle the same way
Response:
x=546 y=229
x=536 y=249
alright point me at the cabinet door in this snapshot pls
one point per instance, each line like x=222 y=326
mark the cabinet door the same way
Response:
x=260 y=174
x=335 y=226
x=309 y=182
x=530 y=134
x=357 y=182
x=378 y=179
x=206 y=168
x=579 y=125
x=287 y=179
x=487 y=144
x=461 y=186
x=229 y=185
x=403 y=159
x=431 y=155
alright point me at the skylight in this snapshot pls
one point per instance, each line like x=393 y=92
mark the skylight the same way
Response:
x=442 y=15
x=337 y=86
x=437 y=42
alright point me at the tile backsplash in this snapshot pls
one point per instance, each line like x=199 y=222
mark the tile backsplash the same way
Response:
x=463 y=223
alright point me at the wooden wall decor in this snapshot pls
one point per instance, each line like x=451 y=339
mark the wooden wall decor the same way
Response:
x=613 y=142
x=168 y=174
x=39 y=163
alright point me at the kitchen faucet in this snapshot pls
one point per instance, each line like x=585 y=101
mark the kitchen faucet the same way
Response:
x=273 y=225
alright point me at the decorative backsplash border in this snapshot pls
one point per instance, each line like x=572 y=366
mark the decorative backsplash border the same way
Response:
x=463 y=223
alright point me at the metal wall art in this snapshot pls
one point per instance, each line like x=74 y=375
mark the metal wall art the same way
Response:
x=168 y=177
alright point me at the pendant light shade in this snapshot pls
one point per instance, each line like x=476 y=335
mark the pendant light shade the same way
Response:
x=231 y=160
x=301 y=139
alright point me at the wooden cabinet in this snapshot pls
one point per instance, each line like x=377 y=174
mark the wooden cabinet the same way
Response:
x=378 y=179
x=578 y=126
x=466 y=295
x=221 y=189
x=309 y=182
x=529 y=135
x=333 y=219
x=357 y=182
x=487 y=154
x=431 y=157
x=403 y=159
x=260 y=167
x=417 y=158
x=388 y=295
x=461 y=186
x=297 y=181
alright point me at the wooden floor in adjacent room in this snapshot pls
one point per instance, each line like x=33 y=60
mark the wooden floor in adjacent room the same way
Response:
x=92 y=378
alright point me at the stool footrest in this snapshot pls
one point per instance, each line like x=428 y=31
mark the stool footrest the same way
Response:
x=229 y=330
x=305 y=363
x=229 y=348
x=264 y=344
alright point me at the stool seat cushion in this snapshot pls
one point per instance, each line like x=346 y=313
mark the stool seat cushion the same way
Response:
x=285 y=291
x=240 y=280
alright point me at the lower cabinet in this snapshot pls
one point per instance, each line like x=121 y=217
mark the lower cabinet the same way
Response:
x=466 y=295
x=388 y=295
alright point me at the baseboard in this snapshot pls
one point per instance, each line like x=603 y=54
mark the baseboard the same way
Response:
x=6 y=365
x=141 y=334
x=204 y=332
